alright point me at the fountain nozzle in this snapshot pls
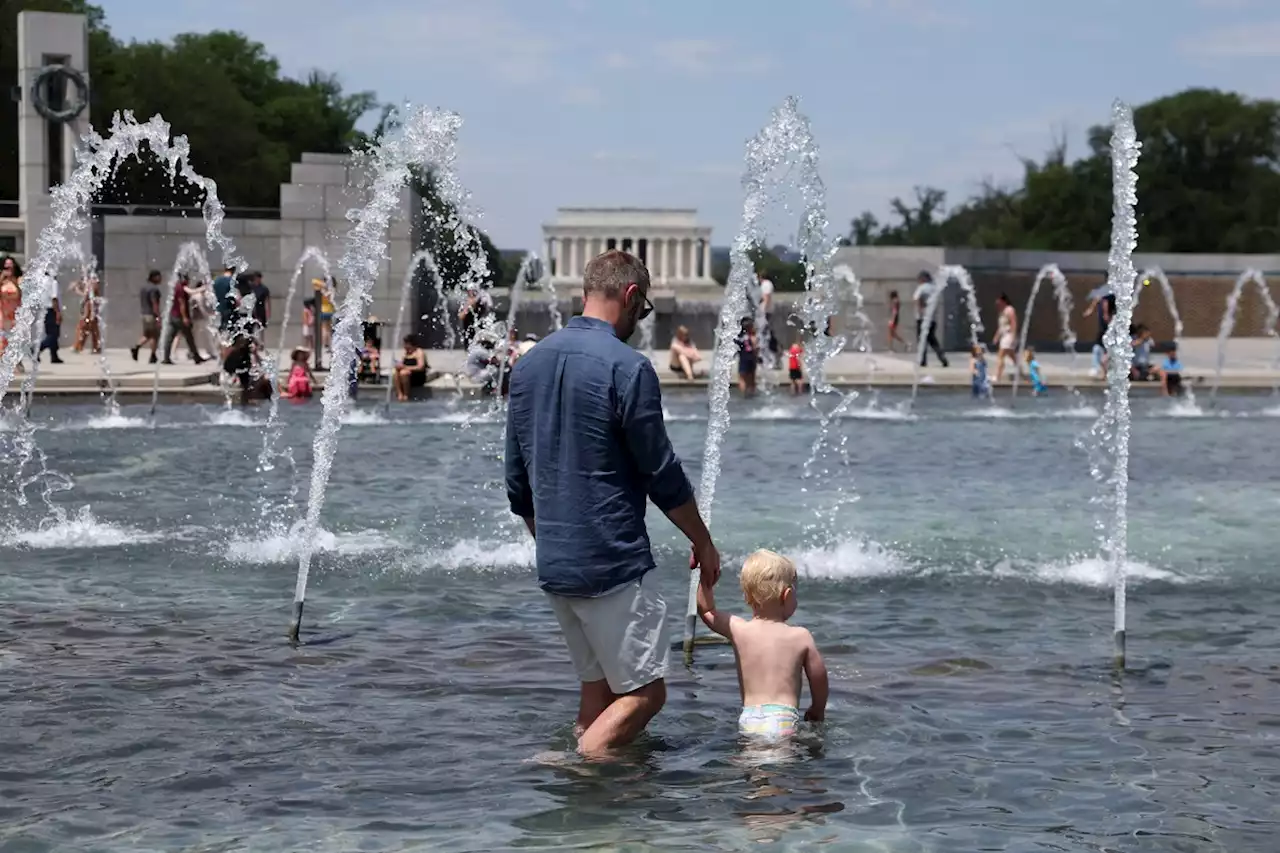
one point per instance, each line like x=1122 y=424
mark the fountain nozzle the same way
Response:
x=296 y=625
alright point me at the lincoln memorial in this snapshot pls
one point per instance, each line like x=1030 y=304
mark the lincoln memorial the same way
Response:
x=675 y=248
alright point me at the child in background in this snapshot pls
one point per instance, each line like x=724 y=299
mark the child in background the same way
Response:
x=793 y=366
x=1033 y=371
x=1142 y=344
x=978 y=384
x=308 y=322
x=771 y=654
x=301 y=382
x=1171 y=375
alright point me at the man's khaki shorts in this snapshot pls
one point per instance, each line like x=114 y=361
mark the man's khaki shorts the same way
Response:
x=619 y=637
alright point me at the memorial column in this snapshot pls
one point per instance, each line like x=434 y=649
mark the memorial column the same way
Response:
x=706 y=258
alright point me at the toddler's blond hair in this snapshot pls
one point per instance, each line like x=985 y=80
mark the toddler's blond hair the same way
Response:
x=765 y=576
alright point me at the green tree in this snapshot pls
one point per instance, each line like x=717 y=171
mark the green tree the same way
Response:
x=453 y=247
x=1208 y=181
x=785 y=275
x=246 y=123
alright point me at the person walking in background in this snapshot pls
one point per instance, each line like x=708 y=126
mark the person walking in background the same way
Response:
x=261 y=304
x=924 y=291
x=180 y=323
x=586 y=441
x=895 y=318
x=52 y=324
x=1103 y=304
x=223 y=287
x=88 y=330
x=151 y=298
x=1006 y=336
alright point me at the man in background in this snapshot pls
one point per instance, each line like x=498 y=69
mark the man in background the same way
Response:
x=151 y=303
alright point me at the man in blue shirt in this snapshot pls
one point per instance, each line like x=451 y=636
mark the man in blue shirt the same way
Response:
x=586 y=445
x=222 y=293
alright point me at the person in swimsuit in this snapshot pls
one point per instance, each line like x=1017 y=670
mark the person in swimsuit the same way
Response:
x=1038 y=385
x=895 y=316
x=10 y=299
x=794 y=369
x=978 y=383
x=684 y=358
x=1006 y=339
x=771 y=654
x=411 y=369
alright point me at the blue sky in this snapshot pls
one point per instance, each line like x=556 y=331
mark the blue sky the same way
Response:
x=649 y=102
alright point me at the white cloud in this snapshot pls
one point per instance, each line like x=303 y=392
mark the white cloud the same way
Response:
x=1241 y=41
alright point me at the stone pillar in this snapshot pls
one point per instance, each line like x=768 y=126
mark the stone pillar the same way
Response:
x=575 y=269
x=559 y=256
x=546 y=254
x=46 y=38
x=706 y=258
x=657 y=249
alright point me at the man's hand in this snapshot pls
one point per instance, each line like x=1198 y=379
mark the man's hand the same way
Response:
x=706 y=558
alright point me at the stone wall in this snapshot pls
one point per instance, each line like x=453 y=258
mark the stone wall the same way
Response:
x=313 y=209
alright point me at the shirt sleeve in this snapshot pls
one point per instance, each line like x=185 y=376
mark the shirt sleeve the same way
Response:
x=646 y=437
x=519 y=494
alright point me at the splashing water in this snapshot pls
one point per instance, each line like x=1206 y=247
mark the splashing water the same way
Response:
x=1256 y=278
x=1109 y=437
x=97 y=158
x=786 y=139
x=444 y=317
x=309 y=254
x=645 y=327
x=946 y=275
x=190 y=260
x=1066 y=307
x=423 y=258
x=553 y=301
x=107 y=390
x=523 y=276
x=860 y=326
x=424 y=138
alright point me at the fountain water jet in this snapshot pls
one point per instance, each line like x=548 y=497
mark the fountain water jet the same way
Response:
x=1229 y=322
x=553 y=301
x=786 y=139
x=1111 y=430
x=523 y=275
x=946 y=274
x=424 y=258
x=424 y=138
x=310 y=253
x=97 y=157
x=1066 y=306
x=190 y=259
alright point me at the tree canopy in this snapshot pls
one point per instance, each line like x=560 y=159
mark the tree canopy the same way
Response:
x=1208 y=181
x=245 y=120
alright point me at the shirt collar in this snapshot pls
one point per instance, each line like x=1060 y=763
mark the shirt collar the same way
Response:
x=589 y=323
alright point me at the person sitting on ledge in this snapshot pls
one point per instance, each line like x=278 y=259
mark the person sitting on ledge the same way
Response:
x=1171 y=375
x=586 y=448
x=686 y=361
x=411 y=369
x=1142 y=343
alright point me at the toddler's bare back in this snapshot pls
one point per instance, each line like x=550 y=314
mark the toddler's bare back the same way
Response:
x=770 y=660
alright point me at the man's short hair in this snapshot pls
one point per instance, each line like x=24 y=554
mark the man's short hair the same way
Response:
x=609 y=274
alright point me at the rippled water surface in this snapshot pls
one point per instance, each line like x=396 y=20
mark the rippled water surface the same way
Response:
x=149 y=701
